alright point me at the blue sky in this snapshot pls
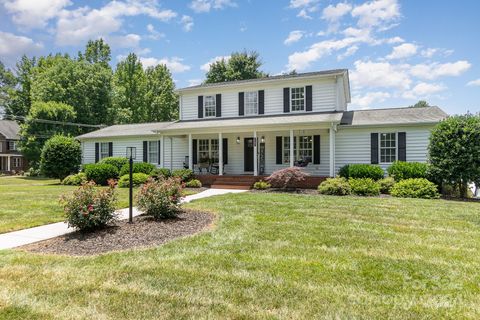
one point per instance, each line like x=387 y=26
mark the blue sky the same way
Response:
x=397 y=52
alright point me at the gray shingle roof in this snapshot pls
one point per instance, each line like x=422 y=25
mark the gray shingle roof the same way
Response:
x=272 y=78
x=393 y=116
x=125 y=130
x=10 y=129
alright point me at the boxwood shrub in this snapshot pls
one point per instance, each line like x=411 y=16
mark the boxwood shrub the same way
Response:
x=335 y=186
x=361 y=171
x=194 y=183
x=75 y=179
x=138 y=167
x=261 y=185
x=184 y=174
x=101 y=173
x=138 y=178
x=415 y=188
x=364 y=187
x=386 y=185
x=118 y=162
x=401 y=170
x=160 y=173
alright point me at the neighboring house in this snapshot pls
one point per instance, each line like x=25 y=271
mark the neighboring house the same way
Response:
x=11 y=160
x=254 y=127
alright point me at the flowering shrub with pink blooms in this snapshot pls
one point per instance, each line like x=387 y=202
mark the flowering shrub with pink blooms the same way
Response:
x=288 y=178
x=90 y=207
x=161 y=198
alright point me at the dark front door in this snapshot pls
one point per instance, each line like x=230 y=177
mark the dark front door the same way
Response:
x=248 y=154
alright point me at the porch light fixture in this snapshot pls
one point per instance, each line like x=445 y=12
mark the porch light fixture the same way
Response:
x=238 y=140
x=262 y=139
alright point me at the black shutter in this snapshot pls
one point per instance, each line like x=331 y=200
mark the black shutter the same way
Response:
x=218 y=104
x=402 y=146
x=279 y=151
x=159 y=153
x=316 y=149
x=200 y=107
x=261 y=101
x=374 y=148
x=194 y=151
x=97 y=152
x=308 y=102
x=110 y=149
x=225 y=150
x=241 y=103
x=286 y=99
x=145 y=151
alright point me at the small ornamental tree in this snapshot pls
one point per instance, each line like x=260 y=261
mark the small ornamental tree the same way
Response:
x=454 y=151
x=60 y=157
x=287 y=179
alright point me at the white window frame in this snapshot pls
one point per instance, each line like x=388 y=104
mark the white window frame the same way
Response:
x=208 y=148
x=209 y=99
x=304 y=150
x=297 y=99
x=153 y=154
x=12 y=145
x=250 y=99
x=17 y=162
x=102 y=153
x=1 y=146
x=380 y=148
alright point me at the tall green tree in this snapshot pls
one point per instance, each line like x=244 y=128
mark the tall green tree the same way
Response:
x=240 y=66
x=129 y=83
x=8 y=82
x=44 y=120
x=97 y=51
x=161 y=102
x=20 y=98
x=420 y=104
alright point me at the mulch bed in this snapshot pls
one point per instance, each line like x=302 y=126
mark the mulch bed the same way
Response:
x=143 y=232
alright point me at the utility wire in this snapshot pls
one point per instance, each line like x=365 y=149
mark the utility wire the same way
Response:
x=22 y=118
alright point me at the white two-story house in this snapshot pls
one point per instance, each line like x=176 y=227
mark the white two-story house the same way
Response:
x=254 y=127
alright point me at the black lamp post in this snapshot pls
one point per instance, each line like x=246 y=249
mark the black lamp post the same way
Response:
x=131 y=154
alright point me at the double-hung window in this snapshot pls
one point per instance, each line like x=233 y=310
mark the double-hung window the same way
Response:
x=388 y=147
x=286 y=148
x=208 y=150
x=104 y=150
x=305 y=148
x=153 y=151
x=12 y=145
x=214 y=150
x=251 y=103
x=17 y=162
x=297 y=99
x=209 y=106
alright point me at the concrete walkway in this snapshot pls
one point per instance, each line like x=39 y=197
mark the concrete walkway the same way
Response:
x=26 y=236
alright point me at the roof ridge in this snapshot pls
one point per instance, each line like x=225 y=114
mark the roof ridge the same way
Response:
x=394 y=108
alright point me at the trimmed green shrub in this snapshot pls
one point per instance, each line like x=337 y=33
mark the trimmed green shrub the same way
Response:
x=89 y=208
x=100 y=173
x=335 y=186
x=137 y=178
x=160 y=173
x=160 y=199
x=361 y=171
x=75 y=179
x=386 y=184
x=118 y=162
x=61 y=156
x=401 y=170
x=288 y=178
x=194 y=183
x=184 y=174
x=138 y=167
x=364 y=187
x=415 y=188
x=261 y=185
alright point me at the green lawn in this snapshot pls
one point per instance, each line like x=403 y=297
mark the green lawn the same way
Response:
x=271 y=256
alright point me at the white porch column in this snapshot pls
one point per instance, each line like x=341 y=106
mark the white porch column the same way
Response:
x=190 y=152
x=332 y=149
x=8 y=163
x=255 y=155
x=292 y=151
x=162 y=151
x=220 y=154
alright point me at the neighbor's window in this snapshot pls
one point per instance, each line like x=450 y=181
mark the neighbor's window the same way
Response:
x=12 y=145
x=251 y=103
x=297 y=99
x=209 y=106
x=153 y=151
x=305 y=148
x=104 y=150
x=388 y=147
x=17 y=162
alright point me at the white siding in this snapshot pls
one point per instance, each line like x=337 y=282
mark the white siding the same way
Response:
x=352 y=145
x=175 y=152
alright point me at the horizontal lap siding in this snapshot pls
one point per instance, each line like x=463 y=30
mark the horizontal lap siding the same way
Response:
x=324 y=96
x=176 y=152
x=189 y=107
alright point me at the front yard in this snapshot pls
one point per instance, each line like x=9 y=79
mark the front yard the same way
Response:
x=271 y=256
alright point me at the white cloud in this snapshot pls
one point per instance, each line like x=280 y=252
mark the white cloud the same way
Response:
x=153 y=33
x=306 y=7
x=379 y=74
x=13 y=46
x=333 y=13
x=423 y=90
x=130 y=40
x=474 y=83
x=435 y=70
x=349 y=52
x=194 y=82
x=206 y=66
x=202 y=6
x=429 y=52
x=174 y=64
x=187 y=23
x=77 y=26
x=34 y=14
x=366 y=101
x=404 y=50
x=293 y=37
x=376 y=13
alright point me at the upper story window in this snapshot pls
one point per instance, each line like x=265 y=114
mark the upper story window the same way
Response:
x=12 y=145
x=104 y=150
x=209 y=106
x=297 y=99
x=153 y=151
x=251 y=103
x=388 y=147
